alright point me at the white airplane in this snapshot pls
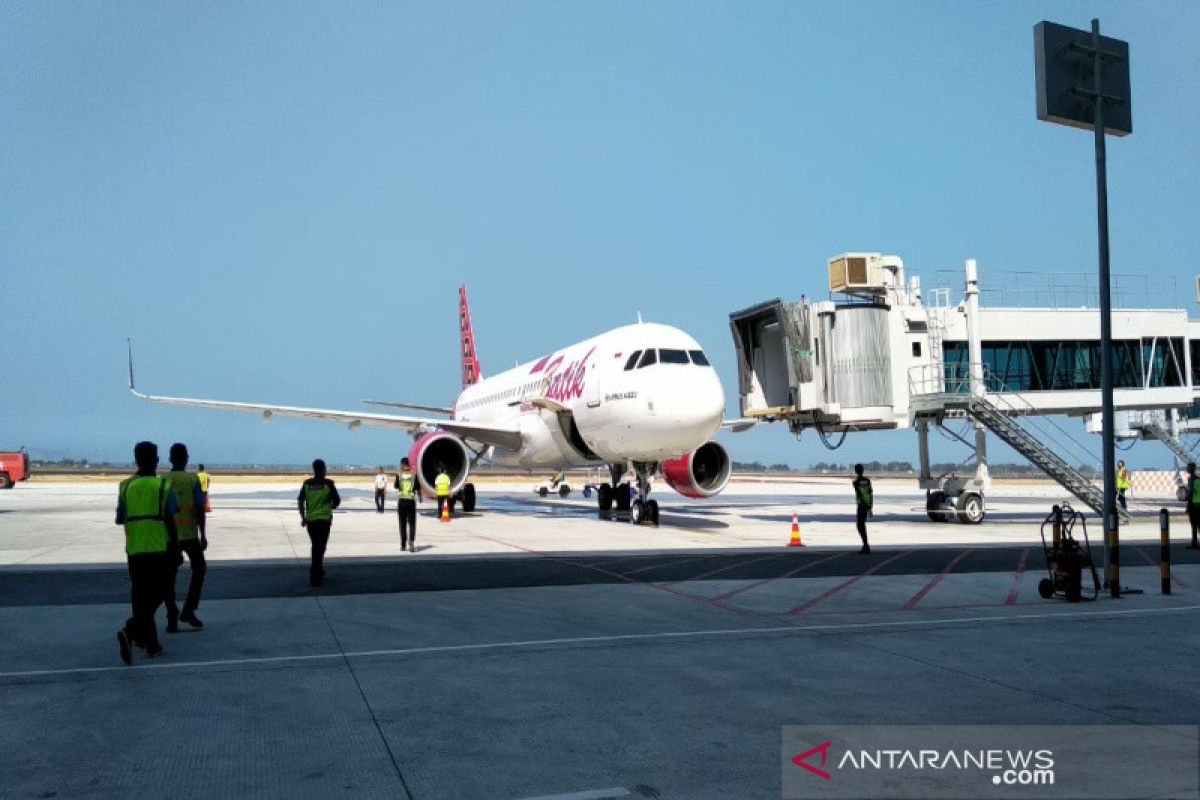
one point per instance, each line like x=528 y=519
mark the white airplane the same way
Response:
x=642 y=394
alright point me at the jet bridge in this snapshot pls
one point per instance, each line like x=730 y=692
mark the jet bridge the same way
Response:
x=879 y=357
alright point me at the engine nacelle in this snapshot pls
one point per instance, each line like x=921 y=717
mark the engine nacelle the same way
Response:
x=442 y=448
x=703 y=472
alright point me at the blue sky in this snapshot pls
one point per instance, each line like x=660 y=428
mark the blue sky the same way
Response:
x=277 y=201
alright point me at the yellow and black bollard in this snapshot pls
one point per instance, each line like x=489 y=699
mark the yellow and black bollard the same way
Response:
x=1164 y=549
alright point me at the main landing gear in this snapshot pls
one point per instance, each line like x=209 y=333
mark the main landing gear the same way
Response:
x=641 y=510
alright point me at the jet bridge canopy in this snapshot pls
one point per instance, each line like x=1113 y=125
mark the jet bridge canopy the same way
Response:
x=775 y=356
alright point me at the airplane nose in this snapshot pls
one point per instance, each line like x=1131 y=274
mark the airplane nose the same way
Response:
x=696 y=412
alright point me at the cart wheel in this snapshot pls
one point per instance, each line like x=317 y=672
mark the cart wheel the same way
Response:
x=1046 y=588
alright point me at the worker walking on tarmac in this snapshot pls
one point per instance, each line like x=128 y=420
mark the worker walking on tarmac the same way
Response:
x=1192 y=489
x=406 y=506
x=441 y=485
x=864 y=499
x=317 y=499
x=193 y=540
x=146 y=507
x=204 y=478
x=380 y=491
x=1123 y=483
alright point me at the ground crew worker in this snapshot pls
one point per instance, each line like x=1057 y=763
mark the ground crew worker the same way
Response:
x=317 y=499
x=1123 y=483
x=441 y=485
x=146 y=507
x=559 y=477
x=406 y=506
x=1193 y=501
x=864 y=499
x=204 y=478
x=193 y=540
x=380 y=491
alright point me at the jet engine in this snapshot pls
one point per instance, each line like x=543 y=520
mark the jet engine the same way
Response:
x=703 y=472
x=447 y=450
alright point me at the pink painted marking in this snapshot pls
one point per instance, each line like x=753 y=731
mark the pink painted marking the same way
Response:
x=800 y=609
x=929 y=587
x=1018 y=576
x=765 y=581
x=1175 y=579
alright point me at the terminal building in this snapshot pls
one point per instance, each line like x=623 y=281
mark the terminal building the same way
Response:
x=881 y=357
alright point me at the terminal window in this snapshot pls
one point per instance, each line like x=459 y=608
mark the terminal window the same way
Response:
x=1031 y=366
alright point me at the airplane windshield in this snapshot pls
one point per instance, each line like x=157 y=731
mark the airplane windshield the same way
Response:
x=673 y=356
x=698 y=358
x=632 y=362
x=648 y=358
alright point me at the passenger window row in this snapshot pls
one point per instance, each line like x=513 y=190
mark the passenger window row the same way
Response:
x=644 y=358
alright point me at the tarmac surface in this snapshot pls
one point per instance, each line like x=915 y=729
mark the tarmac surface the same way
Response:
x=546 y=664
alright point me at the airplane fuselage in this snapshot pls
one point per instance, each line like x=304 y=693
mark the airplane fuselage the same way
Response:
x=642 y=392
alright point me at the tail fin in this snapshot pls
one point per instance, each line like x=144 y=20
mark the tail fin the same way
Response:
x=470 y=362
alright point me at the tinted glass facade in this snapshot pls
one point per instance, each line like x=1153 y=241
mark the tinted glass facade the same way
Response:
x=1031 y=366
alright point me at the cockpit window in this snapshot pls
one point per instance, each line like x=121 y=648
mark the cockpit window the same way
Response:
x=649 y=357
x=633 y=357
x=673 y=356
x=698 y=358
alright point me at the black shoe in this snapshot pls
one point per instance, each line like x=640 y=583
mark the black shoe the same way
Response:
x=191 y=619
x=865 y=551
x=126 y=651
x=155 y=651
x=412 y=548
x=172 y=626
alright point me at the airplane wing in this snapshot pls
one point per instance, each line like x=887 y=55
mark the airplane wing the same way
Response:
x=506 y=438
x=738 y=425
x=413 y=406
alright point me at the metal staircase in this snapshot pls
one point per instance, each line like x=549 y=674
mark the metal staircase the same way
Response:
x=934 y=391
x=1015 y=436
x=1153 y=430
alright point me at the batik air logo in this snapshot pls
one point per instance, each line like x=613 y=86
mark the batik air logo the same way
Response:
x=559 y=382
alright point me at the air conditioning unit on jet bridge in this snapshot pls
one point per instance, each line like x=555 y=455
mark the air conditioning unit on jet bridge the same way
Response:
x=855 y=273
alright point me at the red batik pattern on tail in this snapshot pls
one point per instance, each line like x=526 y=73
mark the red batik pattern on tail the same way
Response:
x=470 y=362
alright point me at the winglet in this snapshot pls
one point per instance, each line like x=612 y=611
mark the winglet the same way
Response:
x=129 y=346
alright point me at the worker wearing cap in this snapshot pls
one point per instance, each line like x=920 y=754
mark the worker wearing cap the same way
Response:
x=409 y=495
x=1123 y=483
x=864 y=499
x=193 y=540
x=146 y=507
x=441 y=485
x=317 y=500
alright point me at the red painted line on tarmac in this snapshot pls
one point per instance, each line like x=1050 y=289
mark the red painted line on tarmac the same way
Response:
x=934 y=581
x=1175 y=579
x=664 y=564
x=626 y=578
x=823 y=596
x=1018 y=576
x=731 y=566
x=765 y=581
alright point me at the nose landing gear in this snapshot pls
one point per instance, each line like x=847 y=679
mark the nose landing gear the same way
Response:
x=641 y=509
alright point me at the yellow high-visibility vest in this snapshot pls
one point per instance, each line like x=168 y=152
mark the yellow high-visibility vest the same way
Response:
x=408 y=486
x=442 y=484
x=184 y=484
x=144 y=499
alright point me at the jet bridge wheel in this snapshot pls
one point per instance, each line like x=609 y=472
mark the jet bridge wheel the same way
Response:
x=935 y=506
x=970 y=508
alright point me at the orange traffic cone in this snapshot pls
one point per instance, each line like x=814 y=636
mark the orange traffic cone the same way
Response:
x=446 y=511
x=795 y=541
